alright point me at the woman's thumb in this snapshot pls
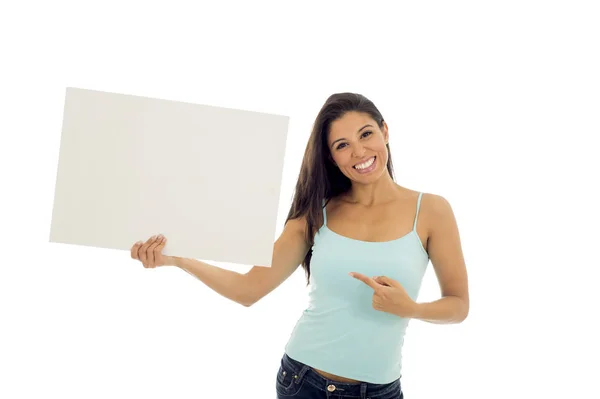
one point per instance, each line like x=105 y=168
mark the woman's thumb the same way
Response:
x=385 y=281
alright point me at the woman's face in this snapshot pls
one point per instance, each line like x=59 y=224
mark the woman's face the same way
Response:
x=358 y=147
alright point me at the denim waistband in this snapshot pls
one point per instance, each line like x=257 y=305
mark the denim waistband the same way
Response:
x=356 y=389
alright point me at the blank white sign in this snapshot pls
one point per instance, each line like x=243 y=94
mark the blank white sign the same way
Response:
x=206 y=177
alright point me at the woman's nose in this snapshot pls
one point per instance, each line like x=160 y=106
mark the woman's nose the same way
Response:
x=358 y=150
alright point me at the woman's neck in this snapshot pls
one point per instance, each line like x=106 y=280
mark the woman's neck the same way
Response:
x=381 y=191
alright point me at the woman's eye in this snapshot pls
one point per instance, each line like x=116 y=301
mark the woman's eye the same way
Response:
x=365 y=134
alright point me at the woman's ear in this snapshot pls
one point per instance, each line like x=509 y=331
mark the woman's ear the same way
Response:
x=386 y=135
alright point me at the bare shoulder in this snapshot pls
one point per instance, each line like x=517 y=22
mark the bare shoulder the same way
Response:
x=437 y=204
x=438 y=214
x=433 y=208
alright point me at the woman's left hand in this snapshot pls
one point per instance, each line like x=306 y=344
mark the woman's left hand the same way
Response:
x=389 y=295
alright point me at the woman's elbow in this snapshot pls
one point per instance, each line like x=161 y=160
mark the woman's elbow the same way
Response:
x=248 y=300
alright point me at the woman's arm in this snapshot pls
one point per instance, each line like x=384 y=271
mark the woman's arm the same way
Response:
x=445 y=252
x=246 y=289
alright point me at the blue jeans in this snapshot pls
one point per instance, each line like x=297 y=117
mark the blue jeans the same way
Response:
x=297 y=380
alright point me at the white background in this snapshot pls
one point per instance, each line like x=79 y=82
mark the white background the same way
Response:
x=493 y=105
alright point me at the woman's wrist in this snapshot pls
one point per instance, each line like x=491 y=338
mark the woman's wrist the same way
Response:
x=173 y=261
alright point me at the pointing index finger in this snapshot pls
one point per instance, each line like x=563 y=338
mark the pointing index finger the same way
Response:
x=365 y=279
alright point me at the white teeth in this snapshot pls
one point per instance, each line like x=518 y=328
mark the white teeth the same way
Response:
x=366 y=164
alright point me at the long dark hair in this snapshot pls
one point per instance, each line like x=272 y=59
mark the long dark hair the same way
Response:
x=319 y=179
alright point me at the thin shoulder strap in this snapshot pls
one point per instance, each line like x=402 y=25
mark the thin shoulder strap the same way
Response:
x=418 y=206
x=324 y=214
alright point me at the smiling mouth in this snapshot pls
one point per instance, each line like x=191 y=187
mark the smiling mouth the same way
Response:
x=365 y=165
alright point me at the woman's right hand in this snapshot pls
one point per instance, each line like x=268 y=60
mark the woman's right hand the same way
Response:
x=150 y=252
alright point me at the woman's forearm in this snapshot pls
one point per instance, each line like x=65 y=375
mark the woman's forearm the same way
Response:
x=230 y=284
x=446 y=310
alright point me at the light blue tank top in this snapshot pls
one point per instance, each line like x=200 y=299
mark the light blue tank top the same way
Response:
x=340 y=332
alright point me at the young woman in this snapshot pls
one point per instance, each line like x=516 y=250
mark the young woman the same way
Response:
x=364 y=243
